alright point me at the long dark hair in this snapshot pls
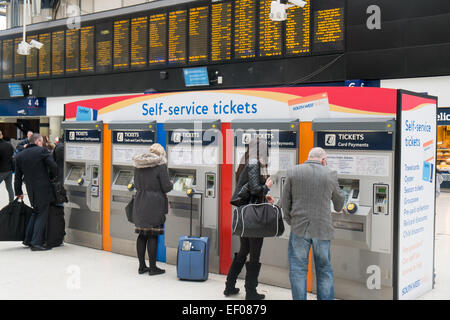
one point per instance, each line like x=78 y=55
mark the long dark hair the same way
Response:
x=256 y=149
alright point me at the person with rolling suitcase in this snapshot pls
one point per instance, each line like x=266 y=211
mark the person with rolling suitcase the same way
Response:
x=193 y=252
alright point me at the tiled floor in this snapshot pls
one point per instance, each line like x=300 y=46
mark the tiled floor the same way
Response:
x=74 y=272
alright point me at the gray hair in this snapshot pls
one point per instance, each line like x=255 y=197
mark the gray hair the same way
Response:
x=35 y=137
x=317 y=154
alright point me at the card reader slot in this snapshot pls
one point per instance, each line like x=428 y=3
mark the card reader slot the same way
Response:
x=121 y=199
x=347 y=225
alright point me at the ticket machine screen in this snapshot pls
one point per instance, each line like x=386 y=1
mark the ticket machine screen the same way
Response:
x=182 y=182
x=124 y=178
x=76 y=173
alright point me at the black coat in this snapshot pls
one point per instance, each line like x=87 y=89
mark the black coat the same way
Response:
x=151 y=204
x=6 y=156
x=251 y=175
x=58 y=156
x=33 y=165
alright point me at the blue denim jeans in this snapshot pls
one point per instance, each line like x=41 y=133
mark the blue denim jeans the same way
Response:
x=298 y=252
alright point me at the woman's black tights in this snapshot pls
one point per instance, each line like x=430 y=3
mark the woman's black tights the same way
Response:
x=151 y=242
x=250 y=246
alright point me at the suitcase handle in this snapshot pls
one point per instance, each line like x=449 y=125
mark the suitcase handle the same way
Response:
x=191 y=192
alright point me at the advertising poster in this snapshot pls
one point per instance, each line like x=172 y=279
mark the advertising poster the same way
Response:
x=417 y=195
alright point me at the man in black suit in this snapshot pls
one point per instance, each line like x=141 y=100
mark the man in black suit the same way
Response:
x=33 y=165
x=6 y=165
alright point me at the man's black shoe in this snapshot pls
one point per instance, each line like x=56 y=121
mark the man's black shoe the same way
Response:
x=39 y=248
x=26 y=244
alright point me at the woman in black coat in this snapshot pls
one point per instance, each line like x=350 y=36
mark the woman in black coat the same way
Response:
x=252 y=172
x=151 y=179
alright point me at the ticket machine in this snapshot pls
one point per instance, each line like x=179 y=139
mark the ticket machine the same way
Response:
x=83 y=182
x=194 y=153
x=282 y=138
x=128 y=139
x=362 y=153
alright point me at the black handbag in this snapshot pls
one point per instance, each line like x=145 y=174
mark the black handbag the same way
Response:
x=14 y=219
x=258 y=220
x=129 y=210
x=241 y=197
x=59 y=192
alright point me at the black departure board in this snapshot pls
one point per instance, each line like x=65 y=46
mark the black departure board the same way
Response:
x=139 y=31
x=298 y=30
x=19 y=61
x=45 y=55
x=121 y=44
x=198 y=34
x=32 y=60
x=329 y=26
x=87 y=52
x=58 y=53
x=177 y=36
x=221 y=17
x=72 y=50
x=103 y=38
x=270 y=32
x=157 y=39
x=245 y=29
x=7 y=58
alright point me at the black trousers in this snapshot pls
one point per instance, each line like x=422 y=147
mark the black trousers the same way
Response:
x=250 y=246
x=35 y=232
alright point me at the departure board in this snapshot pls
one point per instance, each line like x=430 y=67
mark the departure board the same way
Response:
x=72 y=50
x=177 y=36
x=103 y=58
x=221 y=15
x=329 y=26
x=32 y=60
x=87 y=49
x=245 y=29
x=8 y=54
x=19 y=61
x=298 y=30
x=270 y=32
x=157 y=39
x=58 y=53
x=121 y=44
x=45 y=55
x=139 y=42
x=198 y=34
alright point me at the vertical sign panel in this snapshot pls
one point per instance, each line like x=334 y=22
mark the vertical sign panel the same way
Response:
x=19 y=61
x=45 y=55
x=245 y=29
x=157 y=39
x=221 y=17
x=8 y=54
x=103 y=38
x=139 y=27
x=417 y=195
x=32 y=60
x=58 y=53
x=177 y=36
x=198 y=34
x=329 y=26
x=121 y=44
x=270 y=40
x=87 y=49
x=72 y=50
x=298 y=30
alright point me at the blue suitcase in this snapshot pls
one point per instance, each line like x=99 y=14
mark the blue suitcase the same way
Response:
x=193 y=254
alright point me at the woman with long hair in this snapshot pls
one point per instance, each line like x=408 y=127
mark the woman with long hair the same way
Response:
x=252 y=171
x=152 y=183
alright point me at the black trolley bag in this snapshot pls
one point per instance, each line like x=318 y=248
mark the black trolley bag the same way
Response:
x=56 y=226
x=14 y=219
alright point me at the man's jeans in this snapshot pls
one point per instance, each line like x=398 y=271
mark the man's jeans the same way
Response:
x=7 y=177
x=298 y=264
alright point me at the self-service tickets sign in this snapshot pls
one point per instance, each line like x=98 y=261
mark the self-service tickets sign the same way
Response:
x=416 y=194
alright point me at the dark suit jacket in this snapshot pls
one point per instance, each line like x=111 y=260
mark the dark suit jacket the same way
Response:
x=33 y=165
x=58 y=155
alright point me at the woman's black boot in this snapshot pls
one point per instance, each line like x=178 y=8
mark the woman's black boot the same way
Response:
x=251 y=281
x=233 y=273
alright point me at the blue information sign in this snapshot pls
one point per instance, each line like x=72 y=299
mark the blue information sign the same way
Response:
x=196 y=77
